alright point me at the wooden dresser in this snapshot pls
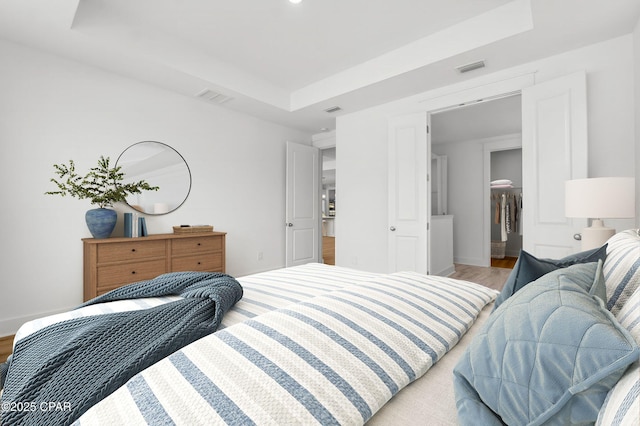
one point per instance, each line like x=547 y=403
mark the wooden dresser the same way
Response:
x=113 y=262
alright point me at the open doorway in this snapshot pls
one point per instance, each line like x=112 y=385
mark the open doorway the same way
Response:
x=505 y=210
x=328 y=205
x=326 y=143
x=467 y=135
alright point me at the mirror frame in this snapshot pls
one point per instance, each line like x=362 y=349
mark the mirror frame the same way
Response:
x=166 y=147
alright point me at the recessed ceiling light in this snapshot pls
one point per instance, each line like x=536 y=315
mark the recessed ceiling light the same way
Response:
x=295 y=1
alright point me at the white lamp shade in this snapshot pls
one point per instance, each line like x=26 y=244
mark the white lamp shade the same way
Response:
x=606 y=197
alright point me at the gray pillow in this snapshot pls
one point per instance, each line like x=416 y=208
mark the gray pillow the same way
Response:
x=550 y=353
x=529 y=268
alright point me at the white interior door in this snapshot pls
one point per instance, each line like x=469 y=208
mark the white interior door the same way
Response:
x=554 y=149
x=302 y=204
x=409 y=193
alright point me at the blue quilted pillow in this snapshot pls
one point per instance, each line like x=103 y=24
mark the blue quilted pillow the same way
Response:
x=549 y=354
x=529 y=268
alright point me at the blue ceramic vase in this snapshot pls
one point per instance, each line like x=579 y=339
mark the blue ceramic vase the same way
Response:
x=101 y=222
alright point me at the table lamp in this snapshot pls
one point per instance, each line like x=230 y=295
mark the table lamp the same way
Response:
x=597 y=199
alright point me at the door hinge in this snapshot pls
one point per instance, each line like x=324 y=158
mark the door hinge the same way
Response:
x=427 y=128
x=427 y=226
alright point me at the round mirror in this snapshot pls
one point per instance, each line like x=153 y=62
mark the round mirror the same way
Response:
x=159 y=165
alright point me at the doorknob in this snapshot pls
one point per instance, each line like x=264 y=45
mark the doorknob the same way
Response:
x=289 y=224
x=393 y=228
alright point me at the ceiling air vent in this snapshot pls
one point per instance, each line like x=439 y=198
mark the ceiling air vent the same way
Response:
x=215 y=97
x=470 y=67
x=333 y=109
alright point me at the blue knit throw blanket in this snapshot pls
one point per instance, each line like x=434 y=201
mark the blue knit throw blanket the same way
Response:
x=76 y=363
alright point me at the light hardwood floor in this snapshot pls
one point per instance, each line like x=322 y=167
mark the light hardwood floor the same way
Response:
x=6 y=347
x=329 y=250
x=507 y=262
x=491 y=277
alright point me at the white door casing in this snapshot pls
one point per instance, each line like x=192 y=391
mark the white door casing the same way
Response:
x=554 y=149
x=409 y=193
x=302 y=224
x=428 y=182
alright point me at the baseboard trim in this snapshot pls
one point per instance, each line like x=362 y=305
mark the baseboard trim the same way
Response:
x=446 y=271
x=472 y=261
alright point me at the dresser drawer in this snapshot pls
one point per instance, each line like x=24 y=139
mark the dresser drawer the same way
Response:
x=117 y=275
x=110 y=263
x=195 y=245
x=131 y=251
x=203 y=262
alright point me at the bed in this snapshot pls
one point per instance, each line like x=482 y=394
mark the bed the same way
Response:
x=319 y=344
x=275 y=294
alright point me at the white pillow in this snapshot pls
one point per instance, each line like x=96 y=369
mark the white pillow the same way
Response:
x=622 y=405
x=622 y=269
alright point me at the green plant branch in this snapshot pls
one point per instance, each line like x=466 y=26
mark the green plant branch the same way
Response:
x=101 y=185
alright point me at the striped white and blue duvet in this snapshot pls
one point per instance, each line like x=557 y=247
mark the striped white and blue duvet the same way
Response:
x=334 y=353
x=263 y=292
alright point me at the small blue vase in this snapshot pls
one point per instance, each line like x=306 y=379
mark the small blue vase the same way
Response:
x=101 y=222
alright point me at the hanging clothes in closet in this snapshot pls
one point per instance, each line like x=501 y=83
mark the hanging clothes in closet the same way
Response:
x=508 y=207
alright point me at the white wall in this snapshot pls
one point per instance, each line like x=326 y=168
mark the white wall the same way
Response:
x=361 y=182
x=465 y=162
x=362 y=140
x=53 y=110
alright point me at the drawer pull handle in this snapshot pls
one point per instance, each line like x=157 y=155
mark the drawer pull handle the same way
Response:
x=199 y=263
x=133 y=272
x=198 y=243
x=133 y=250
